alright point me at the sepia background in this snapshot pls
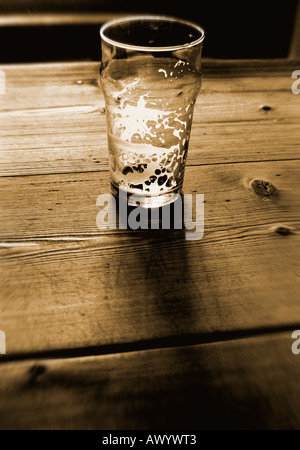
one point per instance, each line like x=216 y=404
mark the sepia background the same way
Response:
x=43 y=30
x=143 y=330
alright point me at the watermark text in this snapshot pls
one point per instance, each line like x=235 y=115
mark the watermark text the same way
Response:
x=185 y=213
x=296 y=344
x=2 y=82
x=296 y=84
x=2 y=343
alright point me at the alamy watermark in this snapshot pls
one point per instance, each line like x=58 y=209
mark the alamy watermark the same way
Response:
x=185 y=213
x=2 y=82
x=2 y=343
x=296 y=344
x=296 y=84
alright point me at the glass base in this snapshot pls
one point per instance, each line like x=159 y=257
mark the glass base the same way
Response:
x=154 y=201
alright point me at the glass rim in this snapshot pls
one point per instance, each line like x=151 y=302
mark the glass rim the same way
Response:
x=147 y=48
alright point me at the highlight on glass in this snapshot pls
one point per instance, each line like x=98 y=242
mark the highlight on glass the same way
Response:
x=151 y=77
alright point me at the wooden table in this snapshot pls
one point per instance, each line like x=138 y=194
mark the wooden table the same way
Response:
x=138 y=329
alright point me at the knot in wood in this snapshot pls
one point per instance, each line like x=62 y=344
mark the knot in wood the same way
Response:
x=282 y=230
x=265 y=107
x=263 y=188
x=36 y=370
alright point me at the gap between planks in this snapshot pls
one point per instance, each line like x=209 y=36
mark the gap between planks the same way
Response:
x=178 y=341
x=223 y=163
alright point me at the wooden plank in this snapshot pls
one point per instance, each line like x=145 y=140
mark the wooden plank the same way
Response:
x=65 y=204
x=53 y=118
x=58 y=18
x=66 y=284
x=253 y=75
x=80 y=148
x=244 y=384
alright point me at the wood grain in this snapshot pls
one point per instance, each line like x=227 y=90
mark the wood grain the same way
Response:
x=244 y=384
x=122 y=308
x=53 y=118
x=67 y=284
x=65 y=204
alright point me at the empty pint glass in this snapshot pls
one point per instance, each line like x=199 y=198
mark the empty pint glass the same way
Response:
x=150 y=76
